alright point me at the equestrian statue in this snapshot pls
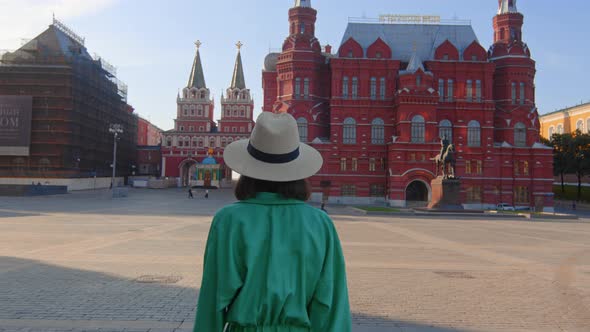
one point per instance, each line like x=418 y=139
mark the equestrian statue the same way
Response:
x=446 y=160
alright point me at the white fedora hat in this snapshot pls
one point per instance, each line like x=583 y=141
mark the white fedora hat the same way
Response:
x=273 y=152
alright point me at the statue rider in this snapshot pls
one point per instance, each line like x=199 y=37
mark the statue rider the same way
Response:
x=444 y=144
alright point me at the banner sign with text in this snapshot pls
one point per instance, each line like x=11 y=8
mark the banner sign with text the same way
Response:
x=15 y=125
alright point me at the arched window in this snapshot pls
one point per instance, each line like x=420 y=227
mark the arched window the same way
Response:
x=373 y=88
x=297 y=87
x=580 y=126
x=560 y=129
x=377 y=131
x=223 y=142
x=212 y=143
x=168 y=141
x=306 y=87
x=345 y=87
x=473 y=134
x=520 y=134
x=445 y=130
x=302 y=126
x=551 y=131
x=355 y=87
x=349 y=131
x=418 y=128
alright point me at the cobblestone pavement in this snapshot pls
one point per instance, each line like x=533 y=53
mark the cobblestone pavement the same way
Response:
x=84 y=262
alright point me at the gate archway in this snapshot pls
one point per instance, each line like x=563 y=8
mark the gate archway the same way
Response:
x=417 y=194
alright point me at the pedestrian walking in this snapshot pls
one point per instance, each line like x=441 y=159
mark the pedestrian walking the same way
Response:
x=273 y=262
x=206 y=193
x=323 y=207
x=190 y=193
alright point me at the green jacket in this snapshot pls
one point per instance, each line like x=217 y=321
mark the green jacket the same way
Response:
x=273 y=265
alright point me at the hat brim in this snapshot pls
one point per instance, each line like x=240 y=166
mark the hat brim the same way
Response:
x=308 y=163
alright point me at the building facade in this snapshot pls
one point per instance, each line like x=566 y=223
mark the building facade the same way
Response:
x=197 y=139
x=148 y=133
x=566 y=120
x=76 y=97
x=378 y=107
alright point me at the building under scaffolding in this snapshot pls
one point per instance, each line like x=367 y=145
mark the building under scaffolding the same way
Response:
x=76 y=97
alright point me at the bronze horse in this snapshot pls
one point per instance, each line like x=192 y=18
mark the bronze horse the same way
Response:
x=446 y=163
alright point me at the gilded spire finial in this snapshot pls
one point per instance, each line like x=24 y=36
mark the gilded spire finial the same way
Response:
x=239 y=45
x=198 y=44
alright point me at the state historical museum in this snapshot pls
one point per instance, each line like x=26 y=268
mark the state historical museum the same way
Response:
x=378 y=107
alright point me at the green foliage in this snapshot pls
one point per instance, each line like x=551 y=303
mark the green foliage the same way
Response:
x=376 y=209
x=571 y=155
x=571 y=194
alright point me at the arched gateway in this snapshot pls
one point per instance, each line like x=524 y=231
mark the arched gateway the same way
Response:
x=417 y=193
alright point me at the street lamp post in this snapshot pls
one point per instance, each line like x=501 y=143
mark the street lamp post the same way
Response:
x=115 y=129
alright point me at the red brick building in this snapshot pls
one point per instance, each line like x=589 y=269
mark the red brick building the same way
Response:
x=148 y=133
x=196 y=135
x=378 y=108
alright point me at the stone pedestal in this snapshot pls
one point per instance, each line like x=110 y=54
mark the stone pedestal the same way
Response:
x=446 y=194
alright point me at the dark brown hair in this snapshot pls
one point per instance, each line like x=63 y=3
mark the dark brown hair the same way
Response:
x=248 y=187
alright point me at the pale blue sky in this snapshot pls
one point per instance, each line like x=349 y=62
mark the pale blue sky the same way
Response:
x=151 y=42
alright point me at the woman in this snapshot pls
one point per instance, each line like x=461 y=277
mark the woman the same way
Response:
x=272 y=262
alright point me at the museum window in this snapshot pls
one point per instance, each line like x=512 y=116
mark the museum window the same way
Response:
x=302 y=28
x=513 y=93
x=377 y=131
x=377 y=190
x=306 y=88
x=373 y=88
x=559 y=129
x=525 y=168
x=297 y=87
x=445 y=130
x=521 y=195
x=441 y=90
x=378 y=55
x=468 y=167
x=450 y=90
x=382 y=88
x=473 y=134
x=372 y=165
x=342 y=164
x=348 y=190
x=418 y=81
x=355 y=87
x=479 y=165
x=302 y=126
x=469 y=91
x=473 y=194
x=516 y=168
x=478 y=91
x=345 y=87
x=349 y=131
x=551 y=131
x=418 y=129
x=520 y=135
x=212 y=143
x=354 y=166
x=522 y=93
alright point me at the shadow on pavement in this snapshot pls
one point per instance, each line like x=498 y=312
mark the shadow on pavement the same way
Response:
x=39 y=296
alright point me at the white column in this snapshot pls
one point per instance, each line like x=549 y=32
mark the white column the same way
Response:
x=163 y=166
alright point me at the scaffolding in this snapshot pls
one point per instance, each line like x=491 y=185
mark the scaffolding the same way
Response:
x=75 y=99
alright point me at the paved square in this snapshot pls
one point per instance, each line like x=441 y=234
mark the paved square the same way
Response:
x=84 y=262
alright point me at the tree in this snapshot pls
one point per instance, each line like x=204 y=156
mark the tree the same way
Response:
x=580 y=157
x=562 y=155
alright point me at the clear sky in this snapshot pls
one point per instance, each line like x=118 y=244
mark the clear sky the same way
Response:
x=152 y=42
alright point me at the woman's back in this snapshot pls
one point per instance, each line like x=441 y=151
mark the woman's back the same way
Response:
x=273 y=264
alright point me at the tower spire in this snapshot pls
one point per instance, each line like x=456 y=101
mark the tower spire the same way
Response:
x=197 y=78
x=303 y=3
x=238 y=80
x=507 y=6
